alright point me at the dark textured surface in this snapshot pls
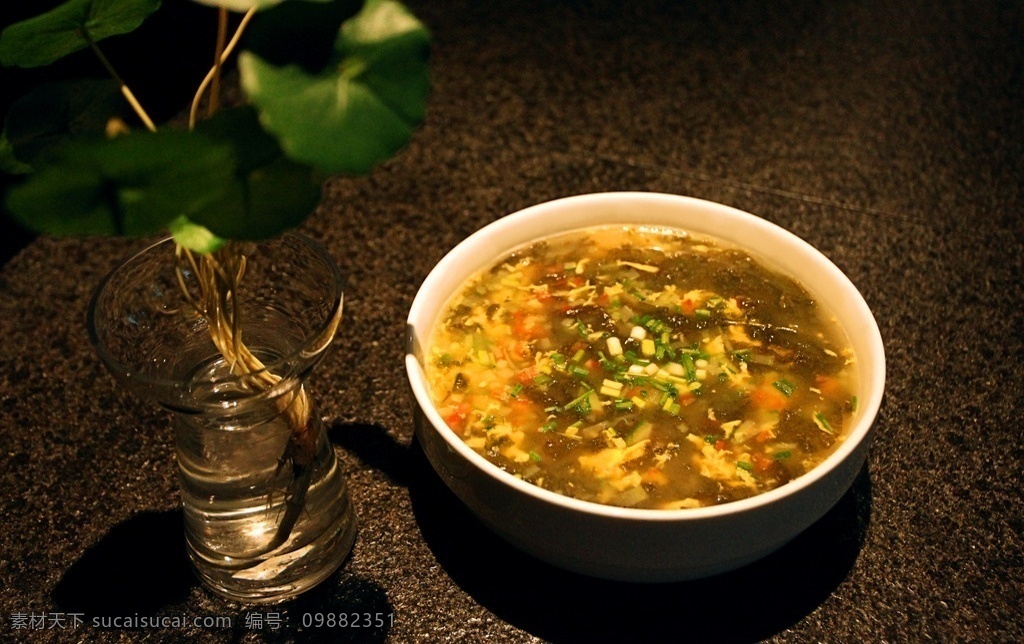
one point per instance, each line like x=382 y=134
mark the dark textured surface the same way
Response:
x=889 y=135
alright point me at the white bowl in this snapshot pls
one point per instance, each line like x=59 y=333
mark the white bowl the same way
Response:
x=631 y=544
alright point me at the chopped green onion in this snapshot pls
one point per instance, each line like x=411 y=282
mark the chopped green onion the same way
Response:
x=534 y=456
x=580 y=404
x=783 y=455
x=608 y=365
x=654 y=325
x=689 y=366
x=577 y=370
x=785 y=386
x=822 y=423
x=667 y=388
x=745 y=466
x=659 y=351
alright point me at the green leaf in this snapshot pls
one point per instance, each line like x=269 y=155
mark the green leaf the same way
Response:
x=9 y=163
x=51 y=36
x=267 y=193
x=131 y=185
x=360 y=109
x=54 y=111
x=193 y=236
x=275 y=198
x=299 y=33
x=386 y=48
x=240 y=128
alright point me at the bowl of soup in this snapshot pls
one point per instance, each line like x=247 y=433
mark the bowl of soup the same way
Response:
x=643 y=387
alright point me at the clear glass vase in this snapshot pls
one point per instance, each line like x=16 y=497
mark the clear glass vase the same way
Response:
x=266 y=506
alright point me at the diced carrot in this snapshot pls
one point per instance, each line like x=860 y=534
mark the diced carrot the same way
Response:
x=829 y=386
x=720 y=445
x=456 y=418
x=654 y=475
x=688 y=306
x=523 y=412
x=761 y=462
x=526 y=326
x=527 y=375
x=764 y=436
x=768 y=397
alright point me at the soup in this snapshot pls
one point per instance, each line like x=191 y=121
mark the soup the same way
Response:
x=642 y=367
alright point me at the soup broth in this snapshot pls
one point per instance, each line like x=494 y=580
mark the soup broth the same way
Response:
x=642 y=367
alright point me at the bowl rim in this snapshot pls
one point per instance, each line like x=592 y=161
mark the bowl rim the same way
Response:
x=868 y=401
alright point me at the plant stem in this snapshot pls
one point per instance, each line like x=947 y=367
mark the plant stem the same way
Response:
x=125 y=90
x=222 y=37
x=214 y=71
x=218 y=276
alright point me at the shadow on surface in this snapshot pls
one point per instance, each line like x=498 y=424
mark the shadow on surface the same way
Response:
x=140 y=566
x=746 y=605
x=375 y=447
x=317 y=612
x=749 y=604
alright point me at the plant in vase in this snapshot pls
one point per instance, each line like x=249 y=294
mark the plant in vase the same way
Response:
x=223 y=322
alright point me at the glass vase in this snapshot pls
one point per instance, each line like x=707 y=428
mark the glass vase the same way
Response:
x=266 y=506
